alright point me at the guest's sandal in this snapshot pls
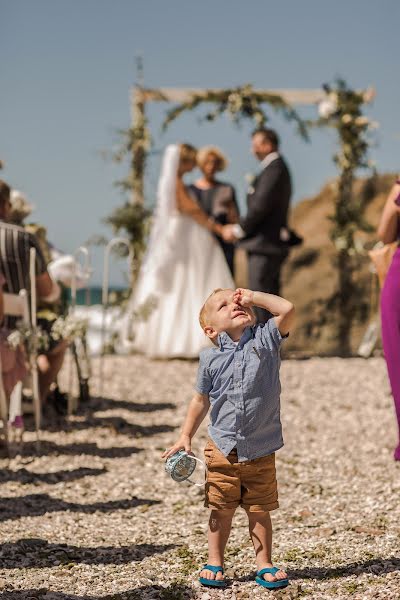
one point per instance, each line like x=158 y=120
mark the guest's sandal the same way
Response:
x=220 y=583
x=271 y=585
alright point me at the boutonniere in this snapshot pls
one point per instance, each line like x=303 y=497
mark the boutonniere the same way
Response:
x=250 y=178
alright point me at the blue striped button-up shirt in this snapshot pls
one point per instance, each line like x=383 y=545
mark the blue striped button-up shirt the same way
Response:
x=242 y=382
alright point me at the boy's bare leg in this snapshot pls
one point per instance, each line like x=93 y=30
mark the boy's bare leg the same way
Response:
x=260 y=528
x=219 y=528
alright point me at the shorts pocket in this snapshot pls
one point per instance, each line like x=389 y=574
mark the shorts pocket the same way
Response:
x=269 y=459
x=209 y=451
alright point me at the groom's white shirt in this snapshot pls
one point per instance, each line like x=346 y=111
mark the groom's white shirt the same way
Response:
x=268 y=160
x=237 y=230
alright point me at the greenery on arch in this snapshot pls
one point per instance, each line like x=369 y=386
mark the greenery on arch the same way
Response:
x=239 y=103
x=343 y=110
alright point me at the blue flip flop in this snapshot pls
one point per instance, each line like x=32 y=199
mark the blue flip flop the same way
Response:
x=271 y=585
x=220 y=583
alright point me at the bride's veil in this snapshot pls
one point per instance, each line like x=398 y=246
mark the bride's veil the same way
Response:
x=153 y=276
x=164 y=210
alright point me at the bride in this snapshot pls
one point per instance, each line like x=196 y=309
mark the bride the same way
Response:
x=182 y=266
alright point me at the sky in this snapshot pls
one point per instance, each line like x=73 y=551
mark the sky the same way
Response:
x=67 y=68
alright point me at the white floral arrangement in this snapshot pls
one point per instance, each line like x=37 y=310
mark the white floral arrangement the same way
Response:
x=35 y=340
x=32 y=338
x=68 y=328
x=250 y=178
x=328 y=106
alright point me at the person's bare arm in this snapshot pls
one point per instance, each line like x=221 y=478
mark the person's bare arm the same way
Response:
x=44 y=285
x=1 y=306
x=47 y=289
x=233 y=210
x=388 y=226
x=187 y=205
x=232 y=215
x=282 y=309
x=197 y=411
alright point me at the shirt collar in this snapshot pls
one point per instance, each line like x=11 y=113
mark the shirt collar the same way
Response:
x=225 y=340
x=269 y=159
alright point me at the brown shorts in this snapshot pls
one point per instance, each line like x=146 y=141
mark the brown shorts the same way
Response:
x=230 y=483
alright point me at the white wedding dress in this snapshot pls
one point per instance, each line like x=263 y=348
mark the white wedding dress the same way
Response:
x=183 y=265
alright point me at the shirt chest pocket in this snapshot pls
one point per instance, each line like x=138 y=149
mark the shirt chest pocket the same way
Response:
x=257 y=362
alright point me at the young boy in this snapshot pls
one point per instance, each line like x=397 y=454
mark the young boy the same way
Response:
x=239 y=381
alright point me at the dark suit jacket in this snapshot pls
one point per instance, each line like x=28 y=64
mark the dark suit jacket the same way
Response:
x=267 y=210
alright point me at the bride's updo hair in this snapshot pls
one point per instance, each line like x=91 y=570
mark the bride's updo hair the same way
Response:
x=188 y=153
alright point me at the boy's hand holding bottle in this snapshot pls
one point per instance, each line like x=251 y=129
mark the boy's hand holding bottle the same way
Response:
x=184 y=442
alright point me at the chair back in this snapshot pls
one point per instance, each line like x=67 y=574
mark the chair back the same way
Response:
x=16 y=305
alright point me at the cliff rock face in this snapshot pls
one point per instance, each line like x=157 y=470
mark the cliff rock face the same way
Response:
x=309 y=276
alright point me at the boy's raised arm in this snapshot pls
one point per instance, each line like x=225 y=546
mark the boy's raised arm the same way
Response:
x=198 y=409
x=282 y=309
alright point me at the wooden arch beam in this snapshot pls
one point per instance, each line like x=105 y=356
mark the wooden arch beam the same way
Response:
x=294 y=96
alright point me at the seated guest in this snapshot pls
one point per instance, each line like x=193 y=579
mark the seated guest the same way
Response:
x=217 y=199
x=15 y=244
x=20 y=210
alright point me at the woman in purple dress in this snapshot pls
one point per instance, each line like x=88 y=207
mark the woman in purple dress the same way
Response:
x=216 y=198
x=388 y=232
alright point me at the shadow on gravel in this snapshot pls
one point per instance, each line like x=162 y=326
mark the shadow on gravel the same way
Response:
x=45 y=448
x=375 y=567
x=25 y=477
x=157 y=592
x=98 y=403
x=34 y=505
x=38 y=554
x=117 y=425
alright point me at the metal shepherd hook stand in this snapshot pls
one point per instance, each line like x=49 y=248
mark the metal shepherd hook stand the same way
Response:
x=104 y=297
x=86 y=269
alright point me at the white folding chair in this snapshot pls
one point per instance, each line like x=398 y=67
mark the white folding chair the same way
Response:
x=16 y=305
x=33 y=357
x=3 y=405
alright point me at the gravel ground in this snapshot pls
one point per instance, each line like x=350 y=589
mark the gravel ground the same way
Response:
x=90 y=514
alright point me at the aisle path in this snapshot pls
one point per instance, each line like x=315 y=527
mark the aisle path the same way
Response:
x=92 y=516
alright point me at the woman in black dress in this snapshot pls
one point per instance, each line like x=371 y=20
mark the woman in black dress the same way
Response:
x=216 y=198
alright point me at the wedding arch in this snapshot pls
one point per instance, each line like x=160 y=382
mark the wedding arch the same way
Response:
x=239 y=102
x=339 y=106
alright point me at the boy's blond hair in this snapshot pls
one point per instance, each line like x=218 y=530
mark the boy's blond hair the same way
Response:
x=203 y=312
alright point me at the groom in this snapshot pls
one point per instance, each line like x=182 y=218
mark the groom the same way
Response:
x=263 y=231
